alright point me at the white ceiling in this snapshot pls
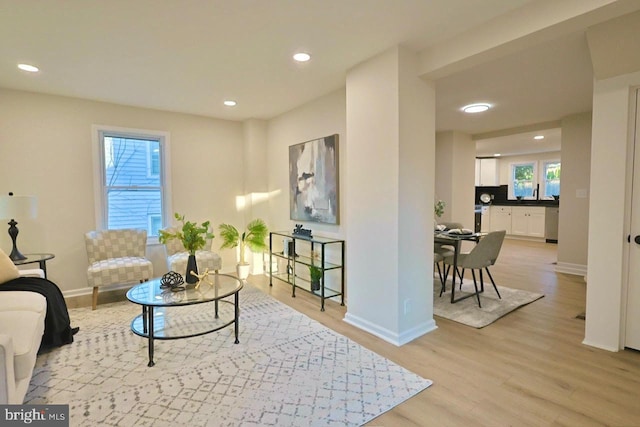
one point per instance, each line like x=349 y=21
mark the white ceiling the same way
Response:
x=188 y=56
x=520 y=143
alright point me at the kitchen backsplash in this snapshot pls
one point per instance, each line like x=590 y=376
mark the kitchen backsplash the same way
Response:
x=498 y=193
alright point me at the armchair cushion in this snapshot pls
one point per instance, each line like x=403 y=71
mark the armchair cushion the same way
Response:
x=204 y=259
x=119 y=271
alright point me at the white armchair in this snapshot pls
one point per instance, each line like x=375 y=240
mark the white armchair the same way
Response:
x=177 y=257
x=21 y=327
x=116 y=257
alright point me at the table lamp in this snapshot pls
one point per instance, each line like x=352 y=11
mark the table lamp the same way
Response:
x=20 y=207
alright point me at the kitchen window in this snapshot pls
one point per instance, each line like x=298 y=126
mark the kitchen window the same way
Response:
x=523 y=180
x=131 y=179
x=551 y=179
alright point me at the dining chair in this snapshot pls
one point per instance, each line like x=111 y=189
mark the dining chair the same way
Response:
x=446 y=250
x=482 y=256
x=437 y=259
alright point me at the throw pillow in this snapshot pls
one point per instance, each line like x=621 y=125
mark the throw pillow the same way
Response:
x=8 y=270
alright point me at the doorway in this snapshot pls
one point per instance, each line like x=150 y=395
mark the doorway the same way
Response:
x=632 y=321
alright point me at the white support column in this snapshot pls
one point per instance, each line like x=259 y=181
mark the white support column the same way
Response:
x=390 y=176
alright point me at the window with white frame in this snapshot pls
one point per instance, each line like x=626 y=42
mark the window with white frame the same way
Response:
x=132 y=190
x=551 y=178
x=523 y=179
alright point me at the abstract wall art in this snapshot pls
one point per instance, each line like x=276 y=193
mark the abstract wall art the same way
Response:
x=313 y=180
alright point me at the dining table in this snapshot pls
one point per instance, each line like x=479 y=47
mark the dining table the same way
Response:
x=454 y=239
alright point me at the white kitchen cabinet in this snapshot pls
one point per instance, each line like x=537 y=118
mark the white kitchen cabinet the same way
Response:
x=500 y=218
x=485 y=219
x=487 y=172
x=527 y=221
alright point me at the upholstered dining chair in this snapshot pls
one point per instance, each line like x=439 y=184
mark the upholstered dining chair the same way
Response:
x=445 y=251
x=177 y=257
x=482 y=256
x=116 y=257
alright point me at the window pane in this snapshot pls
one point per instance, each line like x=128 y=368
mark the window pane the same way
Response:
x=132 y=209
x=133 y=185
x=552 y=179
x=523 y=180
x=127 y=160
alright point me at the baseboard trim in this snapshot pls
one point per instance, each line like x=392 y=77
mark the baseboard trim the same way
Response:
x=88 y=291
x=569 y=268
x=387 y=335
x=600 y=346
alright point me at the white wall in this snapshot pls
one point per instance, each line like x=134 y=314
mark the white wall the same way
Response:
x=45 y=150
x=319 y=118
x=391 y=125
x=455 y=176
x=573 y=225
x=608 y=222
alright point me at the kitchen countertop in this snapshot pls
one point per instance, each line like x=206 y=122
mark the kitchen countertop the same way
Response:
x=543 y=203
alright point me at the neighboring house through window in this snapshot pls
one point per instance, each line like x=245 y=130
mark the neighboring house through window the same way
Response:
x=131 y=179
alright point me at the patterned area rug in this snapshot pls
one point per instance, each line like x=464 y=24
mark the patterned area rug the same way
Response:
x=288 y=370
x=467 y=311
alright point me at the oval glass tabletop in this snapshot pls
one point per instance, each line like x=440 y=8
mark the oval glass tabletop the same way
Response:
x=151 y=294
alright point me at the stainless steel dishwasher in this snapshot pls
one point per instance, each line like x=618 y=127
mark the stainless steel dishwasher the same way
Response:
x=551 y=224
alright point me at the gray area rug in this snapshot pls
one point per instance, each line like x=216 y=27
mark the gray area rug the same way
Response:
x=288 y=370
x=467 y=311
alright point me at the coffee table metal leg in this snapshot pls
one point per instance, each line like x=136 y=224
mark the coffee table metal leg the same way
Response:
x=150 y=313
x=217 y=317
x=144 y=319
x=237 y=315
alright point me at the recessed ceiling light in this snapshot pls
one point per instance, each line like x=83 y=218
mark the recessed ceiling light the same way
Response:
x=302 y=57
x=476 y=108
x=230 y=103
x=497 y=155
x=29 y=68
x=538 y=137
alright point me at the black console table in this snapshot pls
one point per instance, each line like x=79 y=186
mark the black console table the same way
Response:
x=299 y=257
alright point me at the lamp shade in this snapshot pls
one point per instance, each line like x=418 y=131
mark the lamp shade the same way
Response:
x=18 y=207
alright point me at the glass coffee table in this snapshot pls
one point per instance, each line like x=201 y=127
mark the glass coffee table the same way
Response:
x=163 y=319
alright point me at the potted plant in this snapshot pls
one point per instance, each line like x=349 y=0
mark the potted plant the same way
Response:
x=315 y=273
x=193 y=237
x=253 y=237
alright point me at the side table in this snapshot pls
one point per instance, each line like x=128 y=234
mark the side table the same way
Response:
x=39 y=258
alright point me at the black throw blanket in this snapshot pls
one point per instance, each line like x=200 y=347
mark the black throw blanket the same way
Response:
x=57 y=326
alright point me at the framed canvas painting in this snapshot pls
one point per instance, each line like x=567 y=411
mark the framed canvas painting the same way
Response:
x=313 y=180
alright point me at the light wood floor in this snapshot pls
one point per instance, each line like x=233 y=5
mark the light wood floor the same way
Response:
x=527 y=369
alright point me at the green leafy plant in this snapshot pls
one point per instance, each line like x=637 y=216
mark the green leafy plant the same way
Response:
x=439 y=208
x=315 y=273
x=253 y=236
x=193 y=236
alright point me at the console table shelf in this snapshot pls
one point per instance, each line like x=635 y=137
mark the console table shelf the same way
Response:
x=298 y=257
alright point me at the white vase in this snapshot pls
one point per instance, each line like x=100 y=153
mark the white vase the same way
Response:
x=243 y=271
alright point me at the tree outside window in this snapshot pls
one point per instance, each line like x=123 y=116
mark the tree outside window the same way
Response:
x=133 y=182
x=523 y=179
x=552 y=179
